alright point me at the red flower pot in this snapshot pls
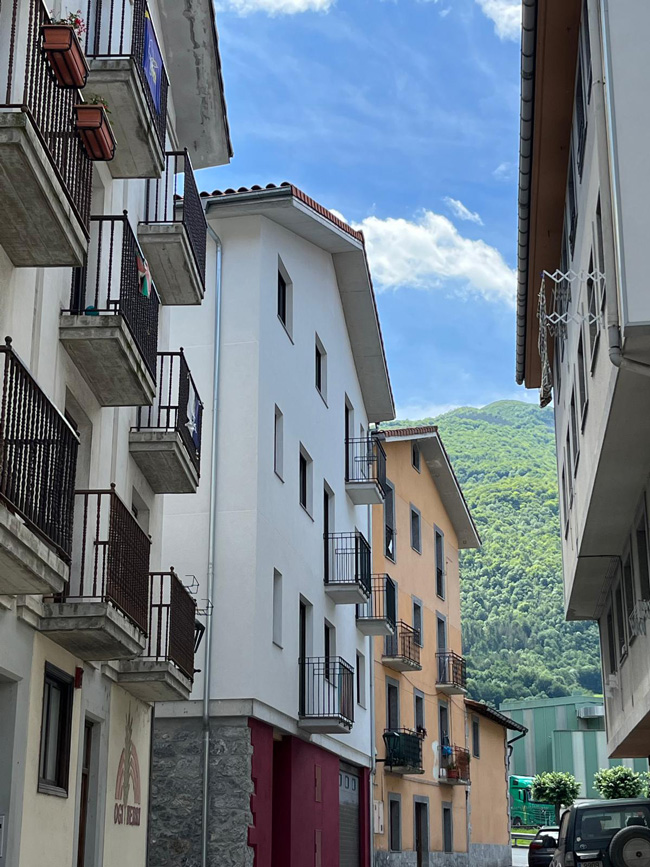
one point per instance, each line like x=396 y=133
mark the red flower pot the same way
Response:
x=93 y=126
x=65 y=55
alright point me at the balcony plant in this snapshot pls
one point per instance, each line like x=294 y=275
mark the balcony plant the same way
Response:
x=62 y=47
x=94 y=128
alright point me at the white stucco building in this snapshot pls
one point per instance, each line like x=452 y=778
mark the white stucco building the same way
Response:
x=94 y=625
x=584 y=185
x=287 y=709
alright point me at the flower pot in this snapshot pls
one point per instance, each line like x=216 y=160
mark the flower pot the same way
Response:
x=453 y=774
x=65 y=55
x=94 y=128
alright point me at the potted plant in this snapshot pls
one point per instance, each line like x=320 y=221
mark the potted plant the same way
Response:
x=94 y=128
x=453 y=772
x=62 y=47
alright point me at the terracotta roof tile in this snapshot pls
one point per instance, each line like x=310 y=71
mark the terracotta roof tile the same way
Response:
x=420 y=430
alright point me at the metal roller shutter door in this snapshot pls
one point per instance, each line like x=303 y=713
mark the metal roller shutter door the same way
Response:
x=348 y=819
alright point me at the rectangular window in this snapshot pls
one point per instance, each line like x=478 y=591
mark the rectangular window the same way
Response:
x=278 y=442
x=415 y=456
x=572 y=198
x=389 y=522
x=575 y=441
x=565 y=503
x=582 y=379
x=415 y=530
x=476 y=737
x=305 y=471
x=440 y=564
x=567 y=451
x=277 y=608
x=419 y=711
x=56 y=729
x=330 y=650
x=441 y=636
x=285 y=299
x=620 y=621
x=321 y=369
x=593 y=311
x=392 y=704
x=628 y=587
x=586 y=49
x=282 y=299
x=581 y=120
x=417 y=622
x=443 y=723
x=361 y=679
x=600 y=263
x=447 y=829
x=642 y=556
x=394 y=823
x=611 y=642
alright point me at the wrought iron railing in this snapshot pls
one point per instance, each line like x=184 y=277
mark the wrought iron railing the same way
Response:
x=452 y=669
x=348 y=560
x=172 y=616
x=124 y=28
x=164 y=198
x=365 y=461
x=110 y=561
x=30 y=86
x=327 y=689
x=405 y=643
x=177 y=405
x=403 y=749
x=382 y=603
x=454 y=764
x=116 y=281
x=38 y=456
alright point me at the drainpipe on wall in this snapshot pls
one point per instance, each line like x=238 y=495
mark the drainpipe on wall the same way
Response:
x=371 y=775
x=211 y=550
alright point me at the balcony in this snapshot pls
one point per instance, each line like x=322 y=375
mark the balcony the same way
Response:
x=453 y=769
x=173 y=233
x=165 y=671
x=128 y=72
x=37 y=469
x=376 y=616
x=103 y=613
x=365 y=471
x=403 y=751
x=451 y=674
x=326 y=695
x=45 y=175
x=166 y=442
x=347 y=568
x=111 y=328
x=402 y=650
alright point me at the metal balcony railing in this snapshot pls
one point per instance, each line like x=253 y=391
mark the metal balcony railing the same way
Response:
x=38 y=456
x=27 y=84
x=165 y=195
x=382 y=604
x=327 y=689
x=454 y=764
x=365 y=461
x=452 y=669
x=172 y=615
x=177 y=405
x=116 y=281
x=348 y=560
x=403 y=749
x=404 y=644
x=124 y=28
x=110 y=561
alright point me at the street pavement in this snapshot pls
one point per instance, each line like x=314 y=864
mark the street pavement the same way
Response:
x=519 y=857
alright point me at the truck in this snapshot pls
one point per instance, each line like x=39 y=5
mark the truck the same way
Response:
x=525 y=811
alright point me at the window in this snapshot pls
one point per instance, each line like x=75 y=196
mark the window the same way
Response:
x=321 y=369
x=611 y=642
x=628 y=587
x=447 y=828
x=417 y=621
x=305 y=470
x=586 y=49
x=440 y=563
x=419 y=711
x=56 y=728
x=476 y=737
x=582 y=380
x=361 y=679
x=565 y=504
x=581 y=120
x=277 y=608
x=575 y=442
x=620 y=621
x=415 y=530
x=389 y=522
x=567 y=461
x=282 y=299
x=278 y=442
x=642 y=556
x=441 y=637
x=330 y=650
x=572 y=201
x=415 y=456
x=592 y=310
x=443 y=723
x=392 y=704
x=394 y=823
x=285 y=299
x=600 y=260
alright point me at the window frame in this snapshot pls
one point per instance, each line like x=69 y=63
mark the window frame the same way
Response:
x=441 y=570
x=276 y=608
x=64 y=682
x=284 y=287
x=392 y=683
x=416 y=512
x=278 y=443
x=394 y=799
x=320 y=368
x=418 y=697
x=390 y=495
x=447 y=808
x=583 y=389
x=642 y=521
x=308 y=504
x=574 y=430
x=416 y=604
x=416 y=456
x=361 y=679
x=476 y=736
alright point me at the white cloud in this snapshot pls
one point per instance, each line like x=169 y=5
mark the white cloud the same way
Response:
x=459 y=210
x=417 y=410
x=506 y=15
x=429 y=253
x=504 y=172
x=274 y=7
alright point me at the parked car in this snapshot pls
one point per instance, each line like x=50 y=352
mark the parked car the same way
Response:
x=542 y=848
x=605 y=834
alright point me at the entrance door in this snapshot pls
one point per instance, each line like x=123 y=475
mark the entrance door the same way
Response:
x=85 y=782
x=422 y=833
x=348 y=819
x=302 y=654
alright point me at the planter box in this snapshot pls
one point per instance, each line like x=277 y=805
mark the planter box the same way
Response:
x=65 y=55
x=94 y=128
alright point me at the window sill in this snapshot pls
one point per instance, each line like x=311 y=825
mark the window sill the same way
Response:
x=278 y=645
x=594 y=353
x=440 y=596
x=307 y=512
x=417 y=551
x=584 y=416
x=278 y=476
x=388 y=557
x=288 y=333
x=50 y=789
x=322 y=396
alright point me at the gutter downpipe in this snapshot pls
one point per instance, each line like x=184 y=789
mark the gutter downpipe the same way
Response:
x=373 y=765
x=211 y=550
x=613 y=308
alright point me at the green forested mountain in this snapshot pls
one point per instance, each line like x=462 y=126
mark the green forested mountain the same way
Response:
x=514 y=634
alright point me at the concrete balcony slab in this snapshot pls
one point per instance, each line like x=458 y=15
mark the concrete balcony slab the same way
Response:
x=375 y=626
x=93 y=631
x=173 y=266
x=42 y=228
x=450 y=689
x=153 y=680
x=108 y=358
x=346 y=593
x=27 y=563
x=138 y=153
x=366 y=493
x=164 y=461
x=401 y=663
x=330 y=725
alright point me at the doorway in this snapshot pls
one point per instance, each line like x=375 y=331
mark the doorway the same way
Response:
x=85 y=788
x=421 y=818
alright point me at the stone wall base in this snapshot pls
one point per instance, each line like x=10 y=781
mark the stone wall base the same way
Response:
x=409 y=859
x=489 y=855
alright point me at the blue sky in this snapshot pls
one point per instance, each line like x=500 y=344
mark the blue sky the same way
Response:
x=402 y=116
